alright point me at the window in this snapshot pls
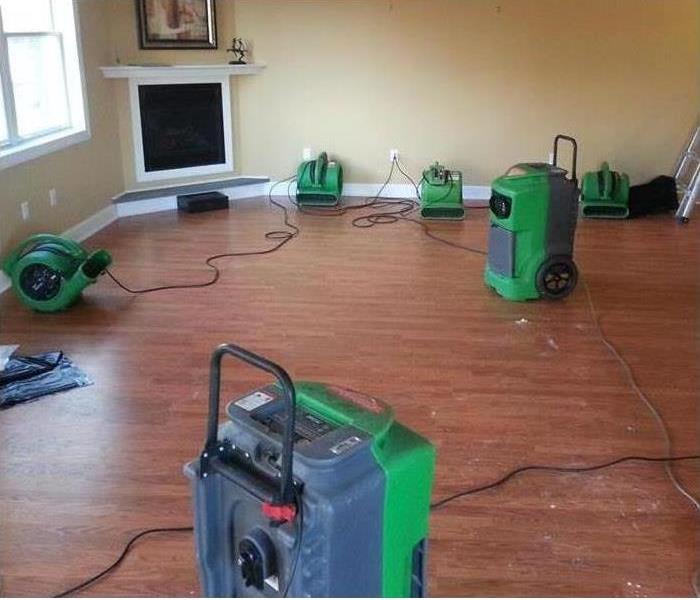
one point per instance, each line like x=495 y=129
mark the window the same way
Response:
x=42 y=103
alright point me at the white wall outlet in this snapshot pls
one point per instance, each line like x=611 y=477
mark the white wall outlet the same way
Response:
x=307 y=155
x=24 y=207
x=53 y=197
x=393 y=155
x=551 y=158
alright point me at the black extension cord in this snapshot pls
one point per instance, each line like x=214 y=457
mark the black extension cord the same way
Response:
x=389 y=211
x=434 y=506
x=122 y=556
x=282 y=237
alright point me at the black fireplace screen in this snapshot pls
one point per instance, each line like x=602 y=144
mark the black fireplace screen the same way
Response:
x=182 y=125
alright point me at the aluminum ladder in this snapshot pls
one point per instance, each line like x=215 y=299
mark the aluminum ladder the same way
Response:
x=688 y=178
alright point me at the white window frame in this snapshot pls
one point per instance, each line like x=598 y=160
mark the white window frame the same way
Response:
x=19 y=150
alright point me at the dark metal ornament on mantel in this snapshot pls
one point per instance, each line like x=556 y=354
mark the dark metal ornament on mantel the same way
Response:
x=241 y=51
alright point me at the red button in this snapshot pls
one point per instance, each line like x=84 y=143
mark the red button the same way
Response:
x=279 y=512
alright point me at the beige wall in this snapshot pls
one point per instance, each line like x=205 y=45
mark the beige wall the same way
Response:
x=478 y=84
x=87 y=175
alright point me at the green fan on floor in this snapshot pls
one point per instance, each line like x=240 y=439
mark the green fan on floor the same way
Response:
x=49 y=272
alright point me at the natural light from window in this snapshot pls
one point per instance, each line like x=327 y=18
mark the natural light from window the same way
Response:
x=42 y=105
x=3 y=121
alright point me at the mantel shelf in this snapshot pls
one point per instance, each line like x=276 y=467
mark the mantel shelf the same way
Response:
x=137 y=72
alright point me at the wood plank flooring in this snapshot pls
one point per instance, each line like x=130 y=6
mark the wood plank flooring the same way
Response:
x=493 y=384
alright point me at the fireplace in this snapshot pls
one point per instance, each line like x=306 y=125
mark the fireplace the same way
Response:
x=181 y=128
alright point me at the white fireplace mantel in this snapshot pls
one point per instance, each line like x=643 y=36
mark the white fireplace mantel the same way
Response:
x=166 y=72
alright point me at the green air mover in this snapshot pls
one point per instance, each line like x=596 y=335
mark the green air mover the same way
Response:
x=441 y=193
x=534 y=208
x=309 y=490
x=319 y=182
x=605 y=194
x=49 y=272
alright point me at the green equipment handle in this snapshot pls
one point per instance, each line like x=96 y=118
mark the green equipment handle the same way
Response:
x=574 y=158
x=96 y=263
x=319 y=170
x=286 y=493
x=72 y=248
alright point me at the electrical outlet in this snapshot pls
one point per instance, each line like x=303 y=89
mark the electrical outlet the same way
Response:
x=307 y=154
x=393 y=155
x=53 y=197
x=551 y=158
x=24 y=207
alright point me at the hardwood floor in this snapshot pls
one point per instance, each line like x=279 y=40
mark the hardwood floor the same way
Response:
x=394 y=314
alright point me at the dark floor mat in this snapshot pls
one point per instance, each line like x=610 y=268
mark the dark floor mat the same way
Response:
x=30 y=377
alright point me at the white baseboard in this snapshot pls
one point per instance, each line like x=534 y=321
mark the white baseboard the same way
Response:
x=92 y=225
x=144 y=207
x=5 y=283
x=153 y=205
x=242 y=192
x=474 y=195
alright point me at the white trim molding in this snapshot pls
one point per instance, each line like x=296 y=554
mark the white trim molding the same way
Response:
x=137 y=133
x=92 y=224
x=42 y=146
x=5 y=283
x=474 y=195
x=170 y=71
x=163 y=203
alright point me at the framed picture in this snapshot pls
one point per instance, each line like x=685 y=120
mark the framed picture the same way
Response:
x=177 y=24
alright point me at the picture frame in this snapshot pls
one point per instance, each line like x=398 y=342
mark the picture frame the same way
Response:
x=177 y=24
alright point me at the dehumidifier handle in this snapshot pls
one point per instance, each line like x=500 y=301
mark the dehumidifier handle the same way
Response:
x=286 y=484
x=575 y=153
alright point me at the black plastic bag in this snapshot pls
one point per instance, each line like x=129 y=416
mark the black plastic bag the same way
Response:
x=657 y=196
x=29 y=377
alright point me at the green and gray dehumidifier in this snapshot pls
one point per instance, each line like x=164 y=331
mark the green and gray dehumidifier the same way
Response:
x=309 y=490
x=534 y=209
x=441 y=193
x=319 y=182
x=605 y=194
x=49 y=272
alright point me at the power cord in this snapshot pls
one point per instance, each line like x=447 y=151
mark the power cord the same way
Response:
x=383 y=217
x=298 y=542
x=282 y=237
x=554 y=469
x=629 y=374
x=122 y=556
x=433 y=507
x=390 y=211
x=130 y=544
x=404 y=208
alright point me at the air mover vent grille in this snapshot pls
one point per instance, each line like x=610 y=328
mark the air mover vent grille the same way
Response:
x=500 y=205
x=40 y=282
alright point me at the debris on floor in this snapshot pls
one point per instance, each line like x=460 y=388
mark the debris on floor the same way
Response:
x=27 y=378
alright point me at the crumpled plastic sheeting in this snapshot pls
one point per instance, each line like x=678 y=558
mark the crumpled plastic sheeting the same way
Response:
x=5 y=353
x=30 y=377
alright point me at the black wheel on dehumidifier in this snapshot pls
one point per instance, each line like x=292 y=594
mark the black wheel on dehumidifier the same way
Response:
x=557 y=277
